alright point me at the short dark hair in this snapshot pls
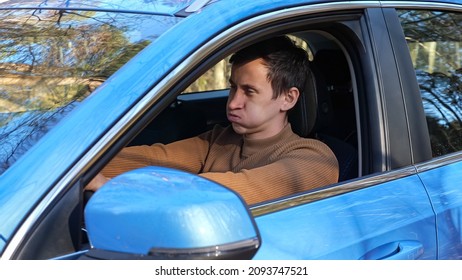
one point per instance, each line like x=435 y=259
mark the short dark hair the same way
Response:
x=288 y=64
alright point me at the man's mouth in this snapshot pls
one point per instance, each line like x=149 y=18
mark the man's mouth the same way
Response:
x=233 y=117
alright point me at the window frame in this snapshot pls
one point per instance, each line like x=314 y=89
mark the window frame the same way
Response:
x=420 y=101
x=290 y=24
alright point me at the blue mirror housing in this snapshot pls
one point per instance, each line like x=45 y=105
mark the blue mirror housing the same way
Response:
x=162 y=213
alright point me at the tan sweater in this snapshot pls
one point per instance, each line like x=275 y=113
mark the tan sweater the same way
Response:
x=258 y=170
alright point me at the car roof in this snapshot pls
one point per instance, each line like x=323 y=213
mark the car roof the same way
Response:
x=171 y=8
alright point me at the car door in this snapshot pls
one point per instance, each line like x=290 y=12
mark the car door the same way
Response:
x=434 y=41
x=389 y=220
x=385 y=211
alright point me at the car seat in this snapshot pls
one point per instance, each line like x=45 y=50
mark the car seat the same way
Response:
x=313 y=117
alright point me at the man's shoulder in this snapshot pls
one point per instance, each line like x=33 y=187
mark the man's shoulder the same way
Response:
x=309 y=144
x=291 y=136
x=306 y=141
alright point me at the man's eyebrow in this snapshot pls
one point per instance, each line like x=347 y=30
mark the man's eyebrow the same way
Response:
x=244 y=86
x=248 y=86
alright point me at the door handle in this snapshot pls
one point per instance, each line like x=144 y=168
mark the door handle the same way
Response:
x=397 y=250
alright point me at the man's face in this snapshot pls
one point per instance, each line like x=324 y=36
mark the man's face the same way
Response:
x=251 y=108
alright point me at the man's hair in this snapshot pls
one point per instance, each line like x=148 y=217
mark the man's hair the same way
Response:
x=288 y=64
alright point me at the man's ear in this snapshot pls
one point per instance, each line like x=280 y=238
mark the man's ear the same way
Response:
x=290 y=98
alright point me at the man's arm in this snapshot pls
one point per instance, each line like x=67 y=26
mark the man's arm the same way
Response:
x=187 y=155
x=291 y=174
x=96 y=183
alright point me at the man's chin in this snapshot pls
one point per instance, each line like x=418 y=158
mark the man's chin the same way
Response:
x=239 y=129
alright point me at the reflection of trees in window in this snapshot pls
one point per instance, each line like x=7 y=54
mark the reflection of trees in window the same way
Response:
x=24 y=129
x=434 y=39
x=441 y=95
x=52 y=57
x=49 y=60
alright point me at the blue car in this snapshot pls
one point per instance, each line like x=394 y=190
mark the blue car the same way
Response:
x=81 y=79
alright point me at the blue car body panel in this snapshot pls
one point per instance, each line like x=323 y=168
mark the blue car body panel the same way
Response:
x=444 y=188
x=373 y=220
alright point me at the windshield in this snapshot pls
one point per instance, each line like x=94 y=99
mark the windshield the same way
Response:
x=50 y=60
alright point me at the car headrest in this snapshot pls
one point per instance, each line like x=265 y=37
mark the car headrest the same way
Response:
x=303 y=116
x=313 y=109
x=333 y=63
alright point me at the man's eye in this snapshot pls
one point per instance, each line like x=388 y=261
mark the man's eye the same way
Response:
x=249 y=91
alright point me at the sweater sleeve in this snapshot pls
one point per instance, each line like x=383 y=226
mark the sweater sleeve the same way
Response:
x=297 y=171
x=187 y=155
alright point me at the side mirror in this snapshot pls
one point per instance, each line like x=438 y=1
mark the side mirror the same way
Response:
x=162 y=213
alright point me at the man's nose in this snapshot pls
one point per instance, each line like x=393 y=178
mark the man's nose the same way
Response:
x=235 y=100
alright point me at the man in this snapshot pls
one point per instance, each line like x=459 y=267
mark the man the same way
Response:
x=258 y=155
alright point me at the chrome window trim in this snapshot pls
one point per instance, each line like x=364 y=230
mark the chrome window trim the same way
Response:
x=153 y=96
x=422 y=5
x=439 y=162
